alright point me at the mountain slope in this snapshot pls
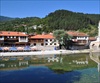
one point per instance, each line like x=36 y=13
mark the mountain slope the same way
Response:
x=70 y=20
x=4 y=18
x=59 y=19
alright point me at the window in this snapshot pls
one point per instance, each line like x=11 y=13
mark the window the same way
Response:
x=34 y=44
x=0 y=36
x=42 y=44
x=23 y=38
x=46 y=40
x=50 y=39
x=54 y=43
x=14 y=36
x=46 y=44
x=50 y=43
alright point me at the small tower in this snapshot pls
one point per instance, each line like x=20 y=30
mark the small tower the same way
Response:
x=98 y=38
x=95 y=45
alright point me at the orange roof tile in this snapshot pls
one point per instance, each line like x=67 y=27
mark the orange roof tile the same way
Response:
x=92 y=38
x=12 y=33
x=43 y=36
x=74 y=33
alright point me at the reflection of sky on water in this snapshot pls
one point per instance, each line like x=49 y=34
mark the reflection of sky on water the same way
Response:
x=41 y=74
x=89 y=75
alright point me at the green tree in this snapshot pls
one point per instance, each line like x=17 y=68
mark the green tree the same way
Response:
x=62 y=37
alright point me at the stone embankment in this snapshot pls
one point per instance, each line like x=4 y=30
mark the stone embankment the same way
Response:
x=46 y=52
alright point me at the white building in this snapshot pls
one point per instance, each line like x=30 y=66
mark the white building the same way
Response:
x=45 y=41
x=10 y=38
x=79 y=38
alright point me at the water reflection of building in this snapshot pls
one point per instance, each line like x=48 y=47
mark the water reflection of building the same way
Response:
x=80 y=62
x=52 y=59
x=15 y=62
x=23 y=63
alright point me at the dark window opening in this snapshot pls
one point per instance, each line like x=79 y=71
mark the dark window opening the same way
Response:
x=42 y=44
x=34 y=44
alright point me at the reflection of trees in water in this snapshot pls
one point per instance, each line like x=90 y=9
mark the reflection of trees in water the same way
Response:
x=64 y=64
x=69 y=64
x=70 y=77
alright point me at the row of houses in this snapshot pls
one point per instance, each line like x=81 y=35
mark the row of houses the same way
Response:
x=8 y=38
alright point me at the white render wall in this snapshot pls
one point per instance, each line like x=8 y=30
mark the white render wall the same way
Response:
x=50 y=42
x=82 y=38
x=23 y=39
x=2 y=38
x=98 y=38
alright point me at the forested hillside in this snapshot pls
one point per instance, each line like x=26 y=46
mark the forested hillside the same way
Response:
x=60 y=19
x=4 y=18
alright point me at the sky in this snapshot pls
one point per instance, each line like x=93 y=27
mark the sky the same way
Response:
x=41 y=8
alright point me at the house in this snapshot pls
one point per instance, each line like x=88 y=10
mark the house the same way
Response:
x=43 y=41
x=13 y=38
x=92 y=39
x=79 y=38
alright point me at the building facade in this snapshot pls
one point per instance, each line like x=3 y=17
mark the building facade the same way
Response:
x=78 y=38
x=45 y=41
x=13 y=38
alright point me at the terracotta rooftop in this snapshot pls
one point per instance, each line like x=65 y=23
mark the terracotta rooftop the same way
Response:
x=92 y=38
x=43 y=36
x=74 y=33
x=12 y=33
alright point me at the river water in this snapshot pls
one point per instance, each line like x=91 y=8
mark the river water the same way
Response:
x=37 y=72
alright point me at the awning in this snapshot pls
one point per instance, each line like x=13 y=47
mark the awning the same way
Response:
x=5 y=48
x=27 y=48
x=20 y=48
x=13 y=49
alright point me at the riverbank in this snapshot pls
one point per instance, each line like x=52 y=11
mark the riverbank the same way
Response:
x=44 y=52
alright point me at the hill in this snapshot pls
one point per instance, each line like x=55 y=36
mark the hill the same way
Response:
x=4 y=18
x=68 y=20
x=59 y=19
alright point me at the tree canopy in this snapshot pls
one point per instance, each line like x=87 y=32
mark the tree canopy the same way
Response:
x=59 y=19
x=62 y=37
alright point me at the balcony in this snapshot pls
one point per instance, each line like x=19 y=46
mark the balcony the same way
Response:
x=37 y=41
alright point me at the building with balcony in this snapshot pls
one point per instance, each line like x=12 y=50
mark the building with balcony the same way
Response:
x=43 y=41
x=13 y=38
x=79 y=38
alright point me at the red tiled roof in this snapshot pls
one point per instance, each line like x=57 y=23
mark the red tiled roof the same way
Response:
x=92 y=38
x=11 y=33
x=43 y=36
x=74 y=33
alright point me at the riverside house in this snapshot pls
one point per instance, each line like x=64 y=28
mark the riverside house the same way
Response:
x=40 y=41
x=79 y=38
x=43 y=41
x=8 y=38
